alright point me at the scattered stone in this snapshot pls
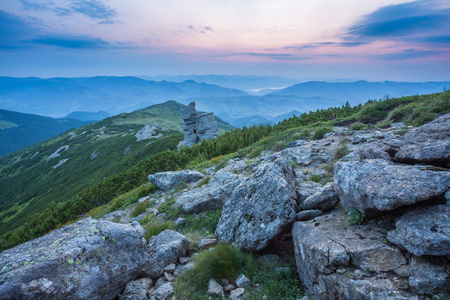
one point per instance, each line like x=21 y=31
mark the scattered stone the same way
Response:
x=169 y=277
x=170 y=268
x=378 y=135
x=89 y=259
x=376 y=186
x=357 y=139
x=424 y=231
x=169 y=180
x=184 y=260
x=260 y=207
x=189 y=266
x=180 y=221
x=238 y=294
x=324 y=199
x=242 y=281
x=206 y=243
x=57 y=153
x=136 y=290
x=160 y=282
x=215 y=289
x=164 y=249
x=145 y=133
x=228 y=288
x=306 y=215
x=164 y=291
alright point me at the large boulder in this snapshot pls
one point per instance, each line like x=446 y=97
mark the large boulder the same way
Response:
x=208 y=128
x=261 y=206
x=209 y=196
x=429 y=277
x=164 y=249
x=332 y=258
x=424 y=231
x=189 y=116
x=89 y=259
x=324 y=199
x=169 y=180
x=433 y=152
x=438 y=129
x=376 y=186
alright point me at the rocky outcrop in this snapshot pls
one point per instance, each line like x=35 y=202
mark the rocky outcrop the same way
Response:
x=424 y=231
x=376 y=186
x=209 y=196
x=137 y=290
x=164 y=249
x=206 y=129
x=324 y=199
x=260 y=207
x=89 y=259
x=147 y=132
x=169 y=180
x=189 y=116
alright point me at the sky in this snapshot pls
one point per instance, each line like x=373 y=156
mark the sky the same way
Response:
x=373 y=40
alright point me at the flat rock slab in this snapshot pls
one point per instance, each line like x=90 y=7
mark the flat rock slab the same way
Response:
x=437 y=151
x=169 y=180
x=374 y=186
x=260 y=207
x=89 y=259
x=424 y=231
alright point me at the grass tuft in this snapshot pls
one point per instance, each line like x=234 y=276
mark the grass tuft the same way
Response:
x=355 y=217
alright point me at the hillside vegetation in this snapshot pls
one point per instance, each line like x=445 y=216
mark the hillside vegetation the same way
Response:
x=32 y=181
x=250 y=142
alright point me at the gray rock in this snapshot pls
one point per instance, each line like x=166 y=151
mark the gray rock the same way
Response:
x=89 y=259
x=306 y=189
x=260 y=207
x=398 y=125
x=189 y=116
x=164 y=291
x=359 y=138
x=306 y=215
x=145 y=133
x=184 y=260
x=242 y=281
x=160 y=282
x=326 y=244
x=208 y=128
x=209 y=196
x=378 y=135
x=215 y=289
x=170 y=268
x=374 y=151
x=423 y=231
x=438 y=129
x=169 y=277
x=180 y=221
x=205 y=243
x=428 y=277
x=437 y=151
x=376 y=186
x=189 y=266
x=302 y=156
x=137 y=289
x=228 y=288
x=324 y=199
x=169 y=180
x=238 y=294
x=164 y=249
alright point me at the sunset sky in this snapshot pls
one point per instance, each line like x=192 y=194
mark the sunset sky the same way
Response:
x=372 y=40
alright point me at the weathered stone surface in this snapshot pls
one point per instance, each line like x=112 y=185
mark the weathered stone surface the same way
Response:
x=306 y=189
x=438 y=129
x=238 y=294
x=423 y=231
x=302 y=156
x=427 y=152
x=145 y=133
x=375 y=186
x=189 y=116
x=428 y=277
x=324 y=199
x=137 y=289
x=168 y=180
x=326 y=244
x=164 y=249
x=214 y=289
x=89 y=259
x=170 y=268
x=242 y=281
x=206 y=242
x=359 y=138
x=208 y=128
x=261 y=206
x=209 y=196
x=374 y=151
x=308 y=214
x=164 y=291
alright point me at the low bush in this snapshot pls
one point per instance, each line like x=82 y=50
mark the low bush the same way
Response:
x=320 y=132
x=358 y=126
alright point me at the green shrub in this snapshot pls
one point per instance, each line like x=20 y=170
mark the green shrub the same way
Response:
x=139 y=209
x=355 y=217
x=320 y=132
x=358 y=126
x=146 y=190
x=157 y=228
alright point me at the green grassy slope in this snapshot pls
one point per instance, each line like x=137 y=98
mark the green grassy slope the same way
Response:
x=18 y=130
x=414 y=110
x=30 y=182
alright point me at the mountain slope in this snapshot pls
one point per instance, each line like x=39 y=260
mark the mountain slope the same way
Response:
x=88 y=116
x=18 y=130
x=58 y=97
x=361 y=91
x=54 y=171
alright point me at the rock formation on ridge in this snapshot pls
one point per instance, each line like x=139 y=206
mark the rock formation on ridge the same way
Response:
x=207 y=127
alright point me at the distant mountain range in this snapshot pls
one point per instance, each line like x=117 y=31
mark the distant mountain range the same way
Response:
x=58 y=97
x=18 y=130
x=361 y=91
